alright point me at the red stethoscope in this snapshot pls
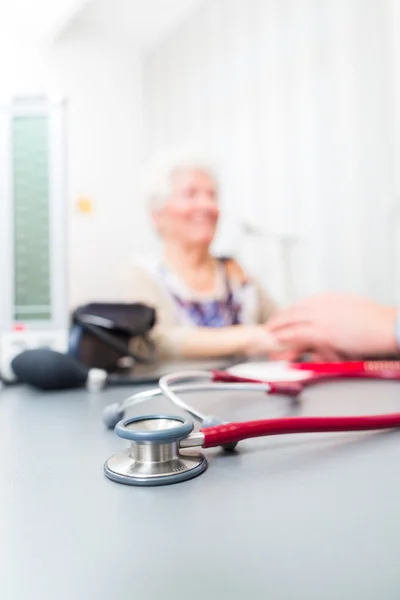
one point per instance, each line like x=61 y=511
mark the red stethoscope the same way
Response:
x=155 y=455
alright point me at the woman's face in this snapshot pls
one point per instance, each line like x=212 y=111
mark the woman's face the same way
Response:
x=190 y=214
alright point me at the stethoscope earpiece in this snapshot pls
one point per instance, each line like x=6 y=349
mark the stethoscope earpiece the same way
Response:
x=112 y=415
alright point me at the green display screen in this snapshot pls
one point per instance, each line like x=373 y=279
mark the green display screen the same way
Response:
x=31 y=218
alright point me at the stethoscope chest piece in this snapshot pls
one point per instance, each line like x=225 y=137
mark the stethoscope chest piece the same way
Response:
x=154 y=457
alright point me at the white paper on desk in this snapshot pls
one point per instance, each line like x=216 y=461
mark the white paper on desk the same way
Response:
x=268 y=371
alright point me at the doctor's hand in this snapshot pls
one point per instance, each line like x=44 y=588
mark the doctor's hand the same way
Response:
x=335 y=326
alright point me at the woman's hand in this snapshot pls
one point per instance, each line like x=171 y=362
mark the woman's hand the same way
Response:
x=258 y=341
x=335 y=325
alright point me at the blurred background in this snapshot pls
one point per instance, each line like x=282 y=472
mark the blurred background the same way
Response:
x=297 y=101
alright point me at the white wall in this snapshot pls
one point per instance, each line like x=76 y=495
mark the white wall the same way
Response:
x=394 y=15
x=295 y=97
x=101 y=82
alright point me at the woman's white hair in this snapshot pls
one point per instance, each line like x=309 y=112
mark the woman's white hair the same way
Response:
x=158 y=174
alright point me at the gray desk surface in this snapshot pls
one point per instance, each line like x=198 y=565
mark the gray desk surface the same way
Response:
x=313 y=517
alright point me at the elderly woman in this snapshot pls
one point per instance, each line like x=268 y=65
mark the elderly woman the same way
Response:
x=207 y=307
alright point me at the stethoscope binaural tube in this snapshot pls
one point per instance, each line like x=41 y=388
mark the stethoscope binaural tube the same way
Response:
x=167 y=382
x=205 y=382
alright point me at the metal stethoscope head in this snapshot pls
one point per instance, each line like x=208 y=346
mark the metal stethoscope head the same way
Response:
x=155 y=457
x=158 y=452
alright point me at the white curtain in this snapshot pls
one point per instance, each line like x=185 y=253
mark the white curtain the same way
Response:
x=294 y=98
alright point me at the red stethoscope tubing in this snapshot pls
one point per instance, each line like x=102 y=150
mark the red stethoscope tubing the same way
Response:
x=388 y=368
x=294 y=388
x=290 y=388
x=235 y=432
x=228 y=433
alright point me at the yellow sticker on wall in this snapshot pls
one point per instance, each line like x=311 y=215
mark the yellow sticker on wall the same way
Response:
x=85 y=205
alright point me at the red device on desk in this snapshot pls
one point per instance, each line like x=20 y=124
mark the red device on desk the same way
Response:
x=292 y=378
